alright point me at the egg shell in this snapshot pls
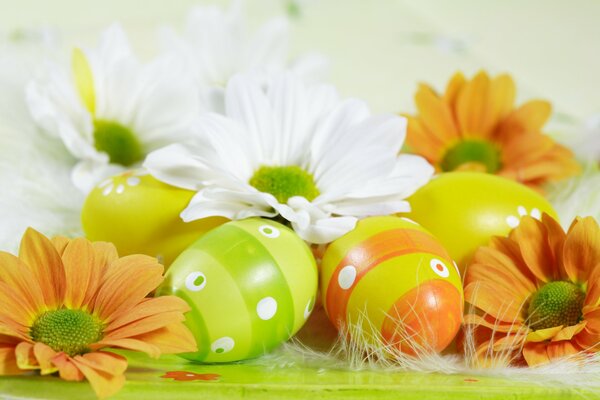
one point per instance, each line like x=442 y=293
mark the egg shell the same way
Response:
x=251 y=285
x=465 y=209
x=140 y=215
x=388 y=277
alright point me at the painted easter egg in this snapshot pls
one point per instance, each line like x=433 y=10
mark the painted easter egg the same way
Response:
x=390 y=280
x=465 y=209
x=251 y=285
x=140 y=215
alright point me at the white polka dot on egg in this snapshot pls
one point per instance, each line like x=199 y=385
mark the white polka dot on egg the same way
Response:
x=195 y=281
x=266 y=308
x=309 y=307
x=347 y=276
x=512 y=221
x=222 y=345
x=133 y=181
x=269 y=231
x=439 y=268
x=107 y=190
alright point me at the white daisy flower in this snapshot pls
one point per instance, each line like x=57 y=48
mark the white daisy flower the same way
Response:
x=296 y=151
x=217 y=44
x=109 y=110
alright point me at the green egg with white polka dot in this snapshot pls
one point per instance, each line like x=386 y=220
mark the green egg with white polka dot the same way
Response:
x=251 y=285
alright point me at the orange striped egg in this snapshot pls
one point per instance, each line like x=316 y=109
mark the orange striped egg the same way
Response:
x=390 y=278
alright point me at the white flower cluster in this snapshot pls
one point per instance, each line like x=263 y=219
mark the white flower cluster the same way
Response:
x=222 y=112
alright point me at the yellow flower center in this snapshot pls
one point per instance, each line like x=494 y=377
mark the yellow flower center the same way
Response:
x=118 y=141
x=70 y=331
x=285 y=182
x=555 y=304
x=480 y=153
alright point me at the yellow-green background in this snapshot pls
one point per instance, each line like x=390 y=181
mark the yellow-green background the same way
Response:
x=380 y=49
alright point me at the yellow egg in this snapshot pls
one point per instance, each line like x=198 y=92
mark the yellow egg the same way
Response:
x=140 y=215
x=465 y=209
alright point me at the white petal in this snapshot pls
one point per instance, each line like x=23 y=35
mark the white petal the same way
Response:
x=326 y=230
x=356 y=154
x=246 y=103
x=226 y=203
x=87 y=174
x=268 y=48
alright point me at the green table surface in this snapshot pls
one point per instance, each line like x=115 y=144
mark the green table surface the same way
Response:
x=256 y=380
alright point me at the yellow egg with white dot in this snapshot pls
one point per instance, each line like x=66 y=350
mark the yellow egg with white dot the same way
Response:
x=465 y=209
x=140 y=215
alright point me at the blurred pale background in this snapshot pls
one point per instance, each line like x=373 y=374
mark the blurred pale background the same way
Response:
x=380 y=49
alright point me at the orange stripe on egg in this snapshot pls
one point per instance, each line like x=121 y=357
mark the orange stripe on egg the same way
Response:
x=365 y=256
x=425 y=318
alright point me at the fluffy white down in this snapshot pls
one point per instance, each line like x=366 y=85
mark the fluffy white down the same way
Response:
x=352 y=155
x=35 y=185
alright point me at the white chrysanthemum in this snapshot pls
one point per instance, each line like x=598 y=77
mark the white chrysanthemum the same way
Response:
x=34 y=169
x=109 y=110
x=217 y=44
x=296 y=151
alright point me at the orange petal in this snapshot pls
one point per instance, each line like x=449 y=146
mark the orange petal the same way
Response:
x=172 y=339
x=147 y=308
x=556 y=241
x=532 y=237
x=8 y=361
x=127 y=282
x=542 y=335
x=564 y=348
x=41 y=257
x=103 y=370
x=495 y=325
x=78 y=259
x=592 y=298
x=44 y=355
x=570 y=331
x=530 y=117
x=502 y=99
x=146 y=325
x=535 y=353
x=435 y=115
x=66 y=368
x=129 y=344
x=500 y=268
x=10 y=328
x=104 y=255
x=582 y=249
x=25 y=358
x=455 y=85
x=472 y=106
x=18 y=276
x=14 y=308
x=60 y=244
x=588 y=339
x=423 y=142
x=104 y=361
x=495 y=301
x=509 y=342
x=511 y=249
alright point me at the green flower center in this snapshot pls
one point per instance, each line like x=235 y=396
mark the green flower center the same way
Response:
x=472 y=151
x=118 y=141
x=71 y=331
x=555 y=304
x=285 y=182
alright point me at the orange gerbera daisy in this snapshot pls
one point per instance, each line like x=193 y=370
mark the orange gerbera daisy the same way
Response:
x=475 y=126
x=537 y=292
x=62 y=301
